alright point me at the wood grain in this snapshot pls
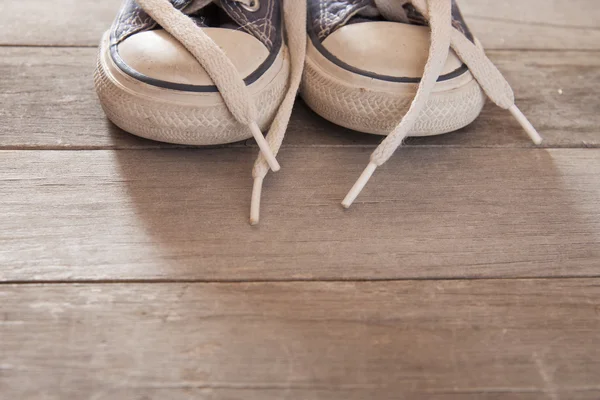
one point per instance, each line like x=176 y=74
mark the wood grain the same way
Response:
x=181 y=215
x=112 y=247
x=507 y=24
x=549 y=25
x=56 y=22
x=526 y=339
x=48 y=101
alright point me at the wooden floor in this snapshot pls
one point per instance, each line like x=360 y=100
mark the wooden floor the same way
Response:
x=468 y=269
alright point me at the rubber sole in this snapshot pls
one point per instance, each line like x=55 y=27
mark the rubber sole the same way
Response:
x=181 y=117
x=367 y=105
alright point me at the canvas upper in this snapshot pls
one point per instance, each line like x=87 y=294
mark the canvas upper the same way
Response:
x=325 y=17
x=262 y=24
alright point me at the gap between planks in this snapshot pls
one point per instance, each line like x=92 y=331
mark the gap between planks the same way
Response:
x=290 y=281
x=488 y=50
x=253 y=145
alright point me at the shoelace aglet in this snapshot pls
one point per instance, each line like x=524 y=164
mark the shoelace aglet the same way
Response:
x=359 y=185
x=255 y=203
x=264 y=147
x=522 y=119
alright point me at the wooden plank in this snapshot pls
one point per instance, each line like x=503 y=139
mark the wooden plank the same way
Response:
x=420 y=340
x=181 y=214
x=509 y=24
x=55 y=23
x=49 y=102
x=549 y=25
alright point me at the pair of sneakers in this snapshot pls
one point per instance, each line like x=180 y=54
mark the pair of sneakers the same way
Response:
x=208 y=72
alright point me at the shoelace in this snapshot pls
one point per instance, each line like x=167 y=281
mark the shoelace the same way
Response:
x=443 y=36
x=231 y=85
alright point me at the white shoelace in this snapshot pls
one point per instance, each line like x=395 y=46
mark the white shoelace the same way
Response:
x=443 y=36
x=231 y=85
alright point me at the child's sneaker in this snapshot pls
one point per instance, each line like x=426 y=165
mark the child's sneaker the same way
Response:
x=204 y=72
x=398 y=68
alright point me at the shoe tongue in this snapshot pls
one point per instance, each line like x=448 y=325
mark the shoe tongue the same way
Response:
x=390 y=10
x=197 y=5
x=210 y=13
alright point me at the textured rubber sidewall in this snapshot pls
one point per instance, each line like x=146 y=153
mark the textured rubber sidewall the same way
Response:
x=373 y=111
x=190 y=124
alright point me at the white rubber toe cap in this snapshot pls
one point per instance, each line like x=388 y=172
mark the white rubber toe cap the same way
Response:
x=386 y=49
x=158 y=55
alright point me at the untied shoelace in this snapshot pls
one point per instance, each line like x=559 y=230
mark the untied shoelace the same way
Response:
x=231 y=85
x=443 y=36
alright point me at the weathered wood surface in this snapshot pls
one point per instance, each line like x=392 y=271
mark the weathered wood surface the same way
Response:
x=507 y=24
x=48 y=101
x=545 y=24
x=56 y=22
x=181 y=214
x=82 y=201
x=520 y=339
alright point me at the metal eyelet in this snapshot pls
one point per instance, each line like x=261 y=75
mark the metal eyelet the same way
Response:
x=253 y=7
